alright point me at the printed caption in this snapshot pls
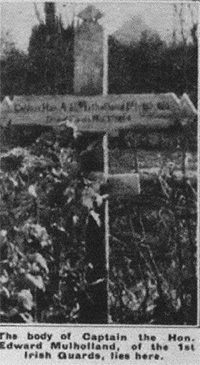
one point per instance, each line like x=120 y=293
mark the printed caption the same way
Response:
x=88 y=345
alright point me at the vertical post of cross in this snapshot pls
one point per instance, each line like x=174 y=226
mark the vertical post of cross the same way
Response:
x=106 y=167
x=105 y=62
x=106 y=221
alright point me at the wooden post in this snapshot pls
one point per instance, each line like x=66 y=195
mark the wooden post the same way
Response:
x=105 y=63
x=106 y=167
x=106 y=221
x=135 y=154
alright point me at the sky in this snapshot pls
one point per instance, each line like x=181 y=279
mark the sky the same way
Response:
x=18 y=18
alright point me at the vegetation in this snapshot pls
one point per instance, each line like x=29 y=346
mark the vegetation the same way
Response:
x=145 y=67
x=153 y=254
x=141 y=67
x=51 y=229
x=42 y=251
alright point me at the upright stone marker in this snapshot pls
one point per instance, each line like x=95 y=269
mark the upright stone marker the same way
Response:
x=88 y=53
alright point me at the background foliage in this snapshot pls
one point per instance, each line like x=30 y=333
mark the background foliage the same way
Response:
x=139 y=67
